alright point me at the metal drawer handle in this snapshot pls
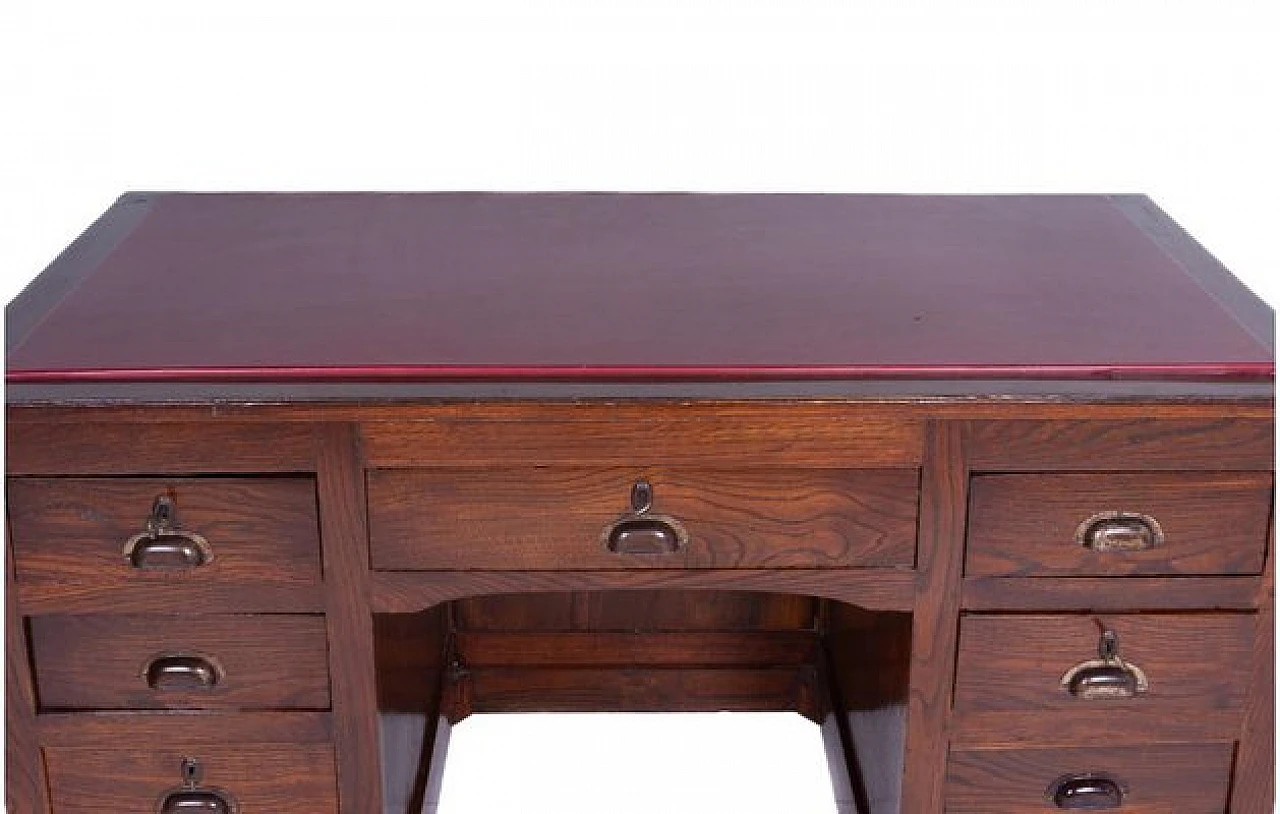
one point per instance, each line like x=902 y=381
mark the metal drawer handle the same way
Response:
x=182 y=672
x=164 y=545
x=1107 y=676
x=1108 y=532
x=1090 y=791
x=195 y=802
x=639 y=532
x=189 y=798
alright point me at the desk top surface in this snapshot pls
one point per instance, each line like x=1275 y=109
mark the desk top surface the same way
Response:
x=652 y=287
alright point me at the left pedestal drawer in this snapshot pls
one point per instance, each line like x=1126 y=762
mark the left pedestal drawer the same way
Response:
x=242 y=779
x=165 y=531
x=103 y=662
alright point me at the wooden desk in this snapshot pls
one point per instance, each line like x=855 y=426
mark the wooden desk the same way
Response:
x=980 y=485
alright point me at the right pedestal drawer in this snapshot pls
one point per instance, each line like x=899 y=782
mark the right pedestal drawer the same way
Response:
x=1061 y=677
x=1140 y=779
x=1118 y=524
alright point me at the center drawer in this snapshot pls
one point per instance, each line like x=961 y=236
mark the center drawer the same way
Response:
x=582 y=518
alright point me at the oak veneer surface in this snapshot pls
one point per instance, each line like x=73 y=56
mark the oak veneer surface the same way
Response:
x=583 y=286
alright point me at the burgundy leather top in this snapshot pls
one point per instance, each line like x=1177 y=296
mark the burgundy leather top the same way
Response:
x=600 y=286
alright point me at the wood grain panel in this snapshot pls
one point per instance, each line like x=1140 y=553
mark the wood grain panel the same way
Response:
x=159 y=597
x=756 y=649
x=638 y=689
x=1168 y=779
x=635 y=610
x=69 y=533
x=1025 y=525
x=1012 y=728
x=100 y=662
x=1194 y=662
x=85 y=447
x=796 y=435
x=1105 y=594
x=182 y=728
x=873 y=588
x=1153 y=442
x=262 y=779
x=553 y=518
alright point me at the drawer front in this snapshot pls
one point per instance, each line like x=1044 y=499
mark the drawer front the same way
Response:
x=275 y=779
x=180 y=662
x=563 y=518
x=1118 y=524
x=1149 y=779
x=227 y=531
x=1166 y=668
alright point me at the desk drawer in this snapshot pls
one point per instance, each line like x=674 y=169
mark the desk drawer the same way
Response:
x=541 y=518
x=1138 y=779
x=180 y=662
x=228 y=531
x=250 y=779
x=1188 y=670
x=1118 y=524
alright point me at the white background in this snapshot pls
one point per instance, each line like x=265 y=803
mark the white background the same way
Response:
x=1177 y=100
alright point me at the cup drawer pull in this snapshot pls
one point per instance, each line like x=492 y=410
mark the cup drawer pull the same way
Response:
x=1120 y=532
x=1108 y=676
x=639 y=532
x=182 y=672
x=163 y=545
x=1086 y=792
x=645 y=535
x=195 y=802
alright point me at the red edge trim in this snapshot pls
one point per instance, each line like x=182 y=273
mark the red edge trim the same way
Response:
x=1233 y=371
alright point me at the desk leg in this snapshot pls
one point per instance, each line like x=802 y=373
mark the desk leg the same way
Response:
x=1253 y=790
x=24 y=769
x=340 y=479
x=935 y=625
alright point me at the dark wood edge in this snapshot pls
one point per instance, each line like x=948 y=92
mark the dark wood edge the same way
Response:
x=364 y=393
x=1109 y=594
x=77 y=262
x=871 y=588
x=1253 y=315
